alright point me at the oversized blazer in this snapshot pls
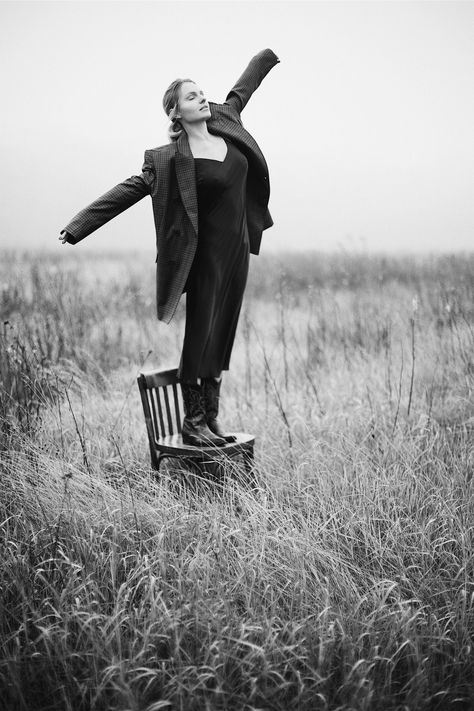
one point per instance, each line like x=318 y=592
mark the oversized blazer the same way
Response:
x=168 y=175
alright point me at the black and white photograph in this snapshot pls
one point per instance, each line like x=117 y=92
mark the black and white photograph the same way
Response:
x=237 y=355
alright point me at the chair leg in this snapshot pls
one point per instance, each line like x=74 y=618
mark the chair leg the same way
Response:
x=154 y=456
x=248 y=459
x=155 y=463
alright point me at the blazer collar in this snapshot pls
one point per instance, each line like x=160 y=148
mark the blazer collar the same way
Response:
x=182 y=145
x=185 y=174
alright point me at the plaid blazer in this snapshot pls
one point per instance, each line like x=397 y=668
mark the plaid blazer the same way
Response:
x=168 y=175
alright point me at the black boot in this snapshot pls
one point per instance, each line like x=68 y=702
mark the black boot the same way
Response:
x=211 y=390
x=195 y=430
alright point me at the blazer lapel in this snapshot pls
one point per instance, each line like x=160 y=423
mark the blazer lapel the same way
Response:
x=229 y=128
x=185 y=174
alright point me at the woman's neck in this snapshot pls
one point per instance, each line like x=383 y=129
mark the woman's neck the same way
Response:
x=197 y=132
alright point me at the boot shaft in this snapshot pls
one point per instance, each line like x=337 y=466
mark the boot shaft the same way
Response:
x=193 y=400
x=211 y=393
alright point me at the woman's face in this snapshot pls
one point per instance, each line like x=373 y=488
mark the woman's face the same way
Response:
x=193 y=106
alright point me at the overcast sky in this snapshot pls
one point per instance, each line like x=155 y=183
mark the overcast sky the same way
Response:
x=366 y=124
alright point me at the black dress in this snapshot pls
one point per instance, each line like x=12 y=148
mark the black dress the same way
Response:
x=218 y=275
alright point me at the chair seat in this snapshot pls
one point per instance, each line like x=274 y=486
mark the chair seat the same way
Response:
x=173 y=444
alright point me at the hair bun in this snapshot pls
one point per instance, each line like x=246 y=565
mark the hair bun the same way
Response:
x=175 y=129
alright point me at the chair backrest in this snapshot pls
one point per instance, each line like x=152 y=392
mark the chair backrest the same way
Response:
x=161 y=402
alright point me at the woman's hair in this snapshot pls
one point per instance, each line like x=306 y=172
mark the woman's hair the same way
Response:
x=171 y=107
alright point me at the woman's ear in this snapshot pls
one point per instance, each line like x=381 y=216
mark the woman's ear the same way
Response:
x=176 y=112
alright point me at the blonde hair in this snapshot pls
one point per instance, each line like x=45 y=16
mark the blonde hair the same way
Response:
x=171 y=107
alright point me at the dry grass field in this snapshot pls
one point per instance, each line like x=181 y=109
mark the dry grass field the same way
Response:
x=345 y=580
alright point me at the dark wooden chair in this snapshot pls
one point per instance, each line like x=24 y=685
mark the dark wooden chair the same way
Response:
x=162 y=406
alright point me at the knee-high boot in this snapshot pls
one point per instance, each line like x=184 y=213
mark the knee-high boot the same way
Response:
x=211 y=391
x=195 y=430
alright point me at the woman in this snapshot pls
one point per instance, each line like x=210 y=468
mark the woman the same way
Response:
x=210 y=189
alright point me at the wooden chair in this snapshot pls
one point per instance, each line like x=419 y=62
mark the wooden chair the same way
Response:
x=162 y=407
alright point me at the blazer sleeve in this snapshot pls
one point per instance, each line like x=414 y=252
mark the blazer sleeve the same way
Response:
x=112 y=203
x=251 y=79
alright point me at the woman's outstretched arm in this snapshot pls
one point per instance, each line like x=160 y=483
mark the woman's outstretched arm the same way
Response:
x=109 y=205
x=250 y=80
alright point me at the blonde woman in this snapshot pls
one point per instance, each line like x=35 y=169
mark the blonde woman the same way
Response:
x=210 y=190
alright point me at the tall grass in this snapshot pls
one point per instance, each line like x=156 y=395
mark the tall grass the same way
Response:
x=345 y=581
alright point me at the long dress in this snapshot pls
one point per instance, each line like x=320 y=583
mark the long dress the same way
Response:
x=217 y=279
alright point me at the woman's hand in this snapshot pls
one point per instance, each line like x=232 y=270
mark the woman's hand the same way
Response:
x=64 y=237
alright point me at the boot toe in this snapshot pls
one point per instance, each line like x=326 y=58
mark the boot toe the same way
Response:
x=216 y=429
x=200 y=437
